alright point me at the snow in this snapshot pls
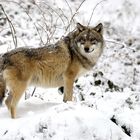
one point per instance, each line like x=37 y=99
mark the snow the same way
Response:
x=106 y=104
x=59 y=121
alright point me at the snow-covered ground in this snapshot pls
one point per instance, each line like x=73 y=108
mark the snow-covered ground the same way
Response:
x=106 y=102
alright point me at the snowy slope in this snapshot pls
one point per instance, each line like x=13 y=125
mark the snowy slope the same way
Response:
x=51 y=121
x=107 y=99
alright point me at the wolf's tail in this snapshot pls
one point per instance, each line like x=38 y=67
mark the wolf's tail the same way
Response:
x=2 y=82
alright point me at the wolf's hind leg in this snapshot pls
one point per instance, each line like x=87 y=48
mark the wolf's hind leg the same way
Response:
x=8 y=101
x=16 y=91
x=2 y=95
x=2 y=89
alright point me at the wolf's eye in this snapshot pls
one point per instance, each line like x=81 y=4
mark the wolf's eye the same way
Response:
x=82 y=41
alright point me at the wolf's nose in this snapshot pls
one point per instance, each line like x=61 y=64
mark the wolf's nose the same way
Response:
x=86 y=49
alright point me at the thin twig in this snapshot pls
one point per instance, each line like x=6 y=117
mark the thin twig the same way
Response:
x=69 y=7
x=115 y=42
x=42 y=14
x=94 y=10
x=48 y=29
x=25 y=10
x=48 y=38
x=13 y=31
x=34 y=26
x=52 y=34
x=39 y=34
x=122 y=44
x=55 y=13
x=75 y=14
x=33 y=91
x=64 y=15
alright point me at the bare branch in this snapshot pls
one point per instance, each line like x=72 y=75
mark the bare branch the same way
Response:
x=94 y=10
x=64 y=15
x=26 y=11
x=34 y=26
x=72 y=18
x=33 y=91
x=55 y=13
x=69 y=7
x=13 y=31
x=116 y=42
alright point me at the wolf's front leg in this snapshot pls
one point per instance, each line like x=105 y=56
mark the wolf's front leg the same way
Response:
x=68 y=87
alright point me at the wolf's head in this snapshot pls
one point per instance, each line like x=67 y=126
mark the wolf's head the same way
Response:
x=89 y=39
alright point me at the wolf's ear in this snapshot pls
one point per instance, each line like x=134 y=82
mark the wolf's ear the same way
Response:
x=99 y=28
x=80 y=27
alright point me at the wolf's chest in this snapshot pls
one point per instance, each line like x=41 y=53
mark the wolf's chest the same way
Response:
x=81 y=72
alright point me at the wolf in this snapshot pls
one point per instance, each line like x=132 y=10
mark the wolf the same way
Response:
x=56 y=65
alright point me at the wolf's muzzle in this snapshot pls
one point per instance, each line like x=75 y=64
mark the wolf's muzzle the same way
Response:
x=87 y=50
